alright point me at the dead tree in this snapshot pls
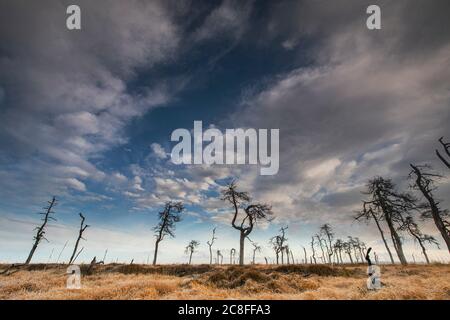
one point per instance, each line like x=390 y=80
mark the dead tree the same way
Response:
x=166 y=225
x=313 y=250
x=232 y=254
x=252 y=213
x=219 y=257
x=368 y=214
x=320 y=241
x=392 y=205
x=190 y=248
x=424 y=182
x=328 y=233
x=256 y=248
x=338 y=246
x=83 y=227
x=210 y=244
x=278 y=244
x=40 y=233
x=267 y=262
x=306 y=257
x=446 y=147
x=348 y=250
x=413 y=229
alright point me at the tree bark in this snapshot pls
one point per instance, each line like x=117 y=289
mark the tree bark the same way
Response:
x=241 y=248
x=156 y=252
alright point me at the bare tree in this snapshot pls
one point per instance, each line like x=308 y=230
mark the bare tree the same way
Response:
x=83 y=227
x=190 y=248
x=329 y=235
x=232 y=254
x=313 y=250
x=424 y=181
x=368 y=214
x=413 y=229
x=219 y=257
x=348 y=250
x=338 y=246
x=306 y=257
x=166 y=225
x=320 y=241
x=446 y=147
x=392 y=205
x=252 y=214
x=278 y=244
x=256 y=248
x=210 y=244
x=40 y=231
x=60 y=253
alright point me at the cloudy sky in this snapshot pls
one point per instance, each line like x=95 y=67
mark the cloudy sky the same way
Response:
x=87 y=115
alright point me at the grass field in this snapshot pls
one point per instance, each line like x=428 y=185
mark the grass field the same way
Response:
x=115 y=281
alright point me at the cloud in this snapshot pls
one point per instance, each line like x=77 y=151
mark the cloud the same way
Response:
x=158 y=150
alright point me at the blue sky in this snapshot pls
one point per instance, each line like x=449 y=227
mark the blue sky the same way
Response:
x=87 y=116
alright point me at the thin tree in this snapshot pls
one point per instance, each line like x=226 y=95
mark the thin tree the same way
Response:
x=40 y=231
x=306 y=257
x=190 y=248
x=313 y=251
x=424 y=182
x=59 y=255
x=329 y=235
x=393 y=205
x=252 y=214
x=347 y=246
x=413 y=229
x=368 y=214
x=256 y=248
x=219 y=257
x=446 y=147
x=166 y=225
x=338 y=245
x=210 y=244
x=320 y=241
x=232 y=254
x=83 y=227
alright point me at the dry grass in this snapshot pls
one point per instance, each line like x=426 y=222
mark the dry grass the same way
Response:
x=228 y=282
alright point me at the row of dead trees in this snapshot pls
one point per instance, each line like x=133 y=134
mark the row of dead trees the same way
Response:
x=384 y=205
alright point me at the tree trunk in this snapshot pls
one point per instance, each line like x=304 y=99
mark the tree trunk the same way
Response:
x=241 y=248
x=384 y=239
x=350 y=256
x=397 y=242
x=156 y=252
x=190 y=257
x=210 y=255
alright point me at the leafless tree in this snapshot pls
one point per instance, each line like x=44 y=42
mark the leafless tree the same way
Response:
x=256 y=248
x=329 y=235
x=210 y=244
x=190 y=248
x=347 y=246
x=413 y=229
x=219 y=257
x=278 y=243
x=83 y=227
x=40 y=231
x=313 y=251
x=232 y=254
x=368 y=214
x=446 y=147
x=339 y=246
x=392 y=206
x=252 y=213
x=320 y=242
x=166 y=225
x=306 y=257
x=424 y=182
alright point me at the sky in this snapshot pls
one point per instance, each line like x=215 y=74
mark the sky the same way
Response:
x=86 y=116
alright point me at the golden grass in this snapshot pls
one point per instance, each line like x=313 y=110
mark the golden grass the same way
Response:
x=228 y=282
